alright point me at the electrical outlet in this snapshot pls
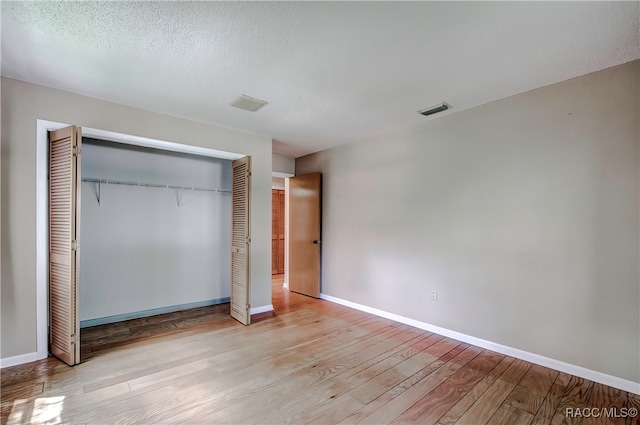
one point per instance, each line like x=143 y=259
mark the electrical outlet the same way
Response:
x=434 y=294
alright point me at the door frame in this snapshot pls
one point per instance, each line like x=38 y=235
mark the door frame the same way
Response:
x=284 y=176
x=42 y=205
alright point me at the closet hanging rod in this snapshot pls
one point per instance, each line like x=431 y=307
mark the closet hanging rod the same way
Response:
x=162 y=186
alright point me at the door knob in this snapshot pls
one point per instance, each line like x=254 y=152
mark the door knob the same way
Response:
x=315 y=241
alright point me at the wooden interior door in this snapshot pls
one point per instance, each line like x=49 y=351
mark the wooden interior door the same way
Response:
x=277 y=231
x=64 y=252
x=240 y=240
x=304 y=193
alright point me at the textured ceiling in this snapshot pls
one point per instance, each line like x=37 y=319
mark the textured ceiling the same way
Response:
x=332 y=72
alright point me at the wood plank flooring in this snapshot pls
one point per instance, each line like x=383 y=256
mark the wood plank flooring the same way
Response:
x=310 y=361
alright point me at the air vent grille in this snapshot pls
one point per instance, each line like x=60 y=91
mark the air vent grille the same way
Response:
x=434 y=109
x=248 y=103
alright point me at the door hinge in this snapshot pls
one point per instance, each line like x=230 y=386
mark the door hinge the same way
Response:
x=248 y=173
x=73 y=339
x=76 y=151
x=74 y=245
x=248 y=306
x=248 y=240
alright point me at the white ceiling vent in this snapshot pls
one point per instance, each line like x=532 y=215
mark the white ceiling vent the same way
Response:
x=248 y=103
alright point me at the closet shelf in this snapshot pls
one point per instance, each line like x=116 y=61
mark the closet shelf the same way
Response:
x=180 y=189
x=164 y=186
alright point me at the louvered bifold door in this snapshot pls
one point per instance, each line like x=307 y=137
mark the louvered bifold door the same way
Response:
x=274 y=231
x=280 y=231
x=64 y=226
x=240 y=240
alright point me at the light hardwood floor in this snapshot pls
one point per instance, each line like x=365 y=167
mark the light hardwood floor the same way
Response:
x=309 y=362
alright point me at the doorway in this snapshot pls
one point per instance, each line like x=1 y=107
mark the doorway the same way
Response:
x=298 y=199
x=277 y=232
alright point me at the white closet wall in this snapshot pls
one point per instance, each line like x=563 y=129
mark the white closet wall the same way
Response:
x=140 y=251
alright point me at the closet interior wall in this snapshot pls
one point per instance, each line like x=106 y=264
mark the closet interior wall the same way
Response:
x=151 y=248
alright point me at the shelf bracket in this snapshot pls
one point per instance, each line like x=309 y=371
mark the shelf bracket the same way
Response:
x=179 y=193
x=98 y=186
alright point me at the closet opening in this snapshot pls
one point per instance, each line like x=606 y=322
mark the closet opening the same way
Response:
x=155 y=232
x=121 y=196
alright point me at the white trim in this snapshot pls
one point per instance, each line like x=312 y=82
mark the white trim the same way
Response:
x=285 y=284
x=592 y=375
x=281 y=175
x=261 y=309
x=16 y=360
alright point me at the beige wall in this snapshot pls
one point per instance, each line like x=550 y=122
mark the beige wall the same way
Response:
x=522 y=213
x=283 y=164
x=22 y=105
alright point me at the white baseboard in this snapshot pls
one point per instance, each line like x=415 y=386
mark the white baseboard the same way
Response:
x=285 y=284
x=592 y=375
x=261 y=309
x=16 y=360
